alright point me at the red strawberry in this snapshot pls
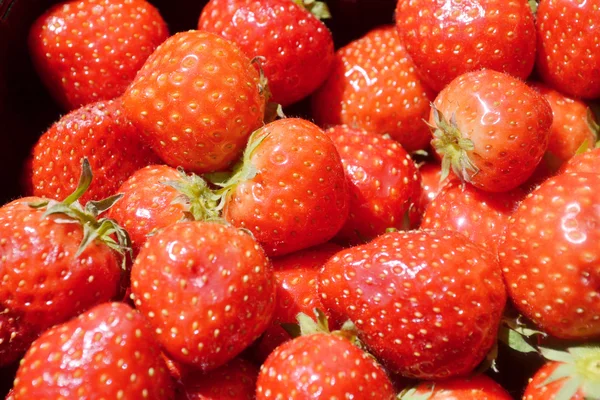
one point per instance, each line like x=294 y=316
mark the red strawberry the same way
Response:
x=431 y=174
x=588 y=161
x=569 y=375
x=573 y=123
x=550 y=256
x=568 y=57
x=296 y=278
x=426 y=303
x=98 y=132
x=477 y=387
x=290 y=192
x=109 y=353
x=322 y=366
x=10 y=395
x=197 y=99
x=234 y=381
x=481 y=216
x=207 y=289
x=373 y=85
x=90 y=50
x=446 y=40
x=491 y=129
x=296 y=47
x=385 y=185
x=56 y=261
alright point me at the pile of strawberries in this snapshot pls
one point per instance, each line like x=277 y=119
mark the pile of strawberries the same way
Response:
x=180 y=237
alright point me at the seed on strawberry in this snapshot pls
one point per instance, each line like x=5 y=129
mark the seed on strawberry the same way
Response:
x=90 y=50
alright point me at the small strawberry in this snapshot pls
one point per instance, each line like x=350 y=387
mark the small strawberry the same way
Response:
x=98 y=132
x=296 y=47
x=490 y=129
x=373 y=85
x=207 y=289
x=588 y=161
x=446 y=40
x=290 y=190
x=56 y=261
x=235 y=380
x=90 y=50
x=568 y=56
x=107 y=353
x=197 y=99
x=550 y=256
x=384 y=184
x=427 y=304
x=481 y=216
x=573 y=374
x=477 y=387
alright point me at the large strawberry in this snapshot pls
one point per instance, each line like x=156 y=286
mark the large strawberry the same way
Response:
x=550 y=257
x=490 y=129
x=568 y=48
x=90 y=50
x=197 y=99
x=446 y=40
x=207 y=289
x=107 y=353
x=98 y=132
x=296 y=47
x=426 y=303
x=56 y=261
x=384 y=184
x=373 y=85
x=290 y=190
x=477 y=387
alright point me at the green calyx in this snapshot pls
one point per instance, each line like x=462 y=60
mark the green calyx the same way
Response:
x=200 y=202
x=318 y=8
x=413 y=393
x=450 y=144
x=272 y=110
x=105 y=230
x=579 y=367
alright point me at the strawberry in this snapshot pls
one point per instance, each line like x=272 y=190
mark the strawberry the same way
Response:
x=496 y=132
x=56 y=261
x=234 y=381
x=570 y=374
x=290 y=190
x=384 y=185
x=90 y=50
x=446 y=40
x=373 y=85
x=477 y=387
x=588 y=161
x=568 y=49
x=296 y=47
x=573 y=123
x=430 y=172
x=427 y=304
x=98 y=132
x=296 y=278
x=10 y=395
x=550 y=256
x=207 y=289
x=197 y=99
x=108 y=352
x=481 y=216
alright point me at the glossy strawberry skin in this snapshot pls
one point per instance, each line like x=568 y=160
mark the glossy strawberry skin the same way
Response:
x=197 y=99
x=478 y=387
x=508 y=123
x=550 y=257
x=431 y=173
x=108 y=352
x=297 y=47
x=588 y=162
x=481 y=216
x=325 y=366
x=568 y=49
x=426 y=303
x=373 y=86
x=90 y=50
x=43 y=281
x=298 y=197
x=446 y=42
x=235 y=380
x=102 y=134
x=207 y=289
x=535 y=390
x=384 y=183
